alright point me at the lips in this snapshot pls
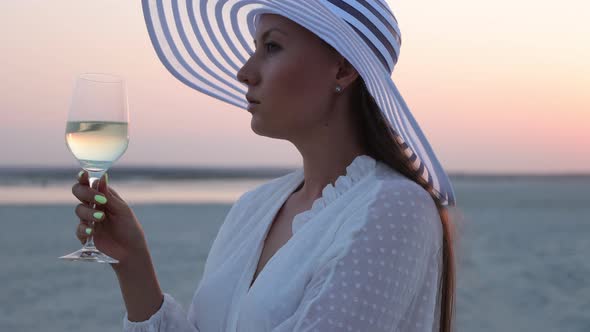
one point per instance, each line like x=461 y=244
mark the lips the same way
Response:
x=252 y=106
x=252 y=100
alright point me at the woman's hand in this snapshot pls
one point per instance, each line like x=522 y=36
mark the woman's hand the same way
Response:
x=117 y=232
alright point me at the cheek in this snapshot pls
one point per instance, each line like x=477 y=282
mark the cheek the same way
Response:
x=297 y=90
x=284 y=81
x=298 y=79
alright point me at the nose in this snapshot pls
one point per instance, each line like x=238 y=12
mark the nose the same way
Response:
x=246 y=74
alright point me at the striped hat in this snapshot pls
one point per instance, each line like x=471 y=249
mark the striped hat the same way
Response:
x=204 y=43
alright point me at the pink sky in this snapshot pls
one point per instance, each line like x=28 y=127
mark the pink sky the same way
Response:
x=497 y=86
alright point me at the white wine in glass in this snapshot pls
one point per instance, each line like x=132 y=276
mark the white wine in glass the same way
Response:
x=97 y=144
x=97 y=136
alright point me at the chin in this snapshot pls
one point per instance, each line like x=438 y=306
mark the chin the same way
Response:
x=255 y=126
x=259 y=129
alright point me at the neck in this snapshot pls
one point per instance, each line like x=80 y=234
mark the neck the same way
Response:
x=321 y=168
x=327 y=149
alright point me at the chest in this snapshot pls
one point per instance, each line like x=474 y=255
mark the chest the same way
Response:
x=279 y=233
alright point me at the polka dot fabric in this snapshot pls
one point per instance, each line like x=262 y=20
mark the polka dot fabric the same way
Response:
x=388 y=278
x=364 y=257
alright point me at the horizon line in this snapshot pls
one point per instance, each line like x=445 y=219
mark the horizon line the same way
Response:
x=262 y=170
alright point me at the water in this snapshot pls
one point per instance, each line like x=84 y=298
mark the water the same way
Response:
x=523 y=264
x=521 y=251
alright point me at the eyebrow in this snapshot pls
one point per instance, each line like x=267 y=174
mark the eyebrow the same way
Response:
x=267 y=32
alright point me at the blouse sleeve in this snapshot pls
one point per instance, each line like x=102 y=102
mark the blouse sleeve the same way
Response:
x=171 y=316
x=387 y=278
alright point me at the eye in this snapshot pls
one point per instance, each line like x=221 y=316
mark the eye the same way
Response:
x=270 y=46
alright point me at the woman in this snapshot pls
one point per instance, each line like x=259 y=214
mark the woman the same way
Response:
x=356 y=240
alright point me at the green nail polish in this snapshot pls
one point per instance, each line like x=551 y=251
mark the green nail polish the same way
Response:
x=106 y=178
x=98 y=215
x=88 y=230
x=80 y=174
x=100 y=199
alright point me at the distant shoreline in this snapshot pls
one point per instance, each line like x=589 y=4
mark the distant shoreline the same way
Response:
x=28 y=174
x=153 y=173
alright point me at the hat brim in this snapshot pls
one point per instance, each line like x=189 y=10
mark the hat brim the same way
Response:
x=205 y=43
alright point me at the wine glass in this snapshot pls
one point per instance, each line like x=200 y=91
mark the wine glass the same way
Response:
x=96 y=134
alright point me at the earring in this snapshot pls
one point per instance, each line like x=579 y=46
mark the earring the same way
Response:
x=338 y=88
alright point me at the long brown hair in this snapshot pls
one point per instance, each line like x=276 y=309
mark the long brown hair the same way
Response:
x=378 y=140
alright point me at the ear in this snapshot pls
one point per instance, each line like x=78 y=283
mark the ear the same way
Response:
x=347 y=74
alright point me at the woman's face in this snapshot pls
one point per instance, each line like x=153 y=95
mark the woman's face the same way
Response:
x=292 y=75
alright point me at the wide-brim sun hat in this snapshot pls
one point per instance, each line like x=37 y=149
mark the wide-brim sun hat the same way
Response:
x=204 y=43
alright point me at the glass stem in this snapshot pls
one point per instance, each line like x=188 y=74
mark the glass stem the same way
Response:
x=94 y=180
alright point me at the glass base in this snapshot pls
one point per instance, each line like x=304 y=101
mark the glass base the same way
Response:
x=90 y=254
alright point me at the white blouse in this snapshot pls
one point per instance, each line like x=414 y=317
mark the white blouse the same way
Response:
x=365 y=257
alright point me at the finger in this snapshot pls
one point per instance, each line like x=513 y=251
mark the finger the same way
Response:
x=116 y=203
x=85 y=212
x=83 y=178
x=88 y=195
x=103 y=186
x=81 y=232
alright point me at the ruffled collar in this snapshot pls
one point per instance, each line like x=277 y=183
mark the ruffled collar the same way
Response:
x=358 y=169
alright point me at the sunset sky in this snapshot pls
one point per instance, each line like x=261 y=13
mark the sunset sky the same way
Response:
x=497 y=86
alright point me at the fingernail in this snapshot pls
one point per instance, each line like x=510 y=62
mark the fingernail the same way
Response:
x=80 y=174
x=100 y=199
x=98 y=215
x=88 y=230
x=106 y=178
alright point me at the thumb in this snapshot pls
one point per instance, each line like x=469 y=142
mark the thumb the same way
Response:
x=103 y=185
x=114 y=203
